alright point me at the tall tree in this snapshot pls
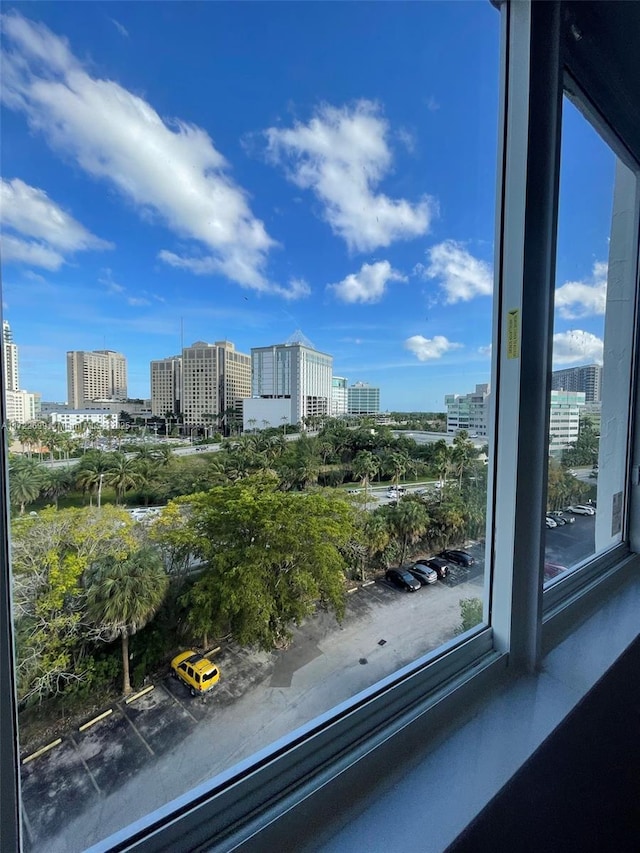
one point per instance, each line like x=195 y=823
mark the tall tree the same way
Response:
x=26 y=480
x=123 y=595
x=366 y=466
x=409 y=520
x=272 y=557
x=122 y=474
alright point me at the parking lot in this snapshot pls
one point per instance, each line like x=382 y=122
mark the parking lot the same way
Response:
x=158 y=746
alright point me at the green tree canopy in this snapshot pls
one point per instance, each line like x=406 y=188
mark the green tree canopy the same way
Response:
x=123 y=594
x=272 y=557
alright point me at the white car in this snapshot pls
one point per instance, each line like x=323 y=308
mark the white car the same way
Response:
x=581 y=510
x=550 y=522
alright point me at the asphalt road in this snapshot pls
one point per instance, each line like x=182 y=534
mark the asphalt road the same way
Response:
x=159 y=746
x=156 y=748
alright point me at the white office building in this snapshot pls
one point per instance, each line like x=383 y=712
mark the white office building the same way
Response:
x=339 y=396
x=363 y=399
x=296 y=372
x=71 y=418
x=564 y=419
x=10 y=359
x=469 y=412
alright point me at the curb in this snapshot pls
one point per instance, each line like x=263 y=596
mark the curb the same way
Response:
x=140 y=693
x=41 y=751
x=95 y=720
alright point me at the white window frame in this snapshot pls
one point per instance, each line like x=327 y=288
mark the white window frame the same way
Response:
x=269 y=786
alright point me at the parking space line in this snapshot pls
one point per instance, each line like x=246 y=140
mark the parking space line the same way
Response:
x=85 y=765
x=135 y=728
x=178 y=702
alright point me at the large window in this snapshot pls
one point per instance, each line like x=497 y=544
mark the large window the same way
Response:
x=220 y=607
x=323 y=213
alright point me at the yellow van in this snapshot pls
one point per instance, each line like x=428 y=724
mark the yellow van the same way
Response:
x=198 y=672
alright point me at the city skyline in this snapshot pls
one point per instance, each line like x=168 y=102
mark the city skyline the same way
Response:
x=143 y=208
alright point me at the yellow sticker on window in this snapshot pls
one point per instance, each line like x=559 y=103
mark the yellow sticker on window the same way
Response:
x=513 y=333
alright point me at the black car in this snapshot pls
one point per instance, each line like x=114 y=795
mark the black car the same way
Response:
x=439 y=565
x=462 y=558
x=401 y=578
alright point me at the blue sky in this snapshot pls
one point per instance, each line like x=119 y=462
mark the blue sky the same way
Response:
x=244 y=170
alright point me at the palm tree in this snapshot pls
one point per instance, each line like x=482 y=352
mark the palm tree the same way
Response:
x=57 y=482
x=88 y=472
x=399 y=462
x=122 y=474
x=123 y=595
x=366 y=466
x=409 y=520
x=26 y=479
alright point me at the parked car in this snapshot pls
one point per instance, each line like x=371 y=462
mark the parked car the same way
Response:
x=402 y=579
x=439 y=565
x=550 y=522
x=559 y=520
x=423 y=573
x=454 y=555
x=353 y=491
x=198 y=672
x=579 y=509
x=558 y=514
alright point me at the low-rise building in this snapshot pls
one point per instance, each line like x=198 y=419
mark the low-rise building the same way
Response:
x=469 y=412
x=71 y=418
x=564 y=419
x=363 y=399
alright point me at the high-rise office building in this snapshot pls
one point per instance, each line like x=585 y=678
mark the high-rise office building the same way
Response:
x=215 y=379
x=96 y=375
x=10 y=359
x=294 y=373
x=339 y=396
x=586 y=378
x=21 y=406
x=363 y=399
x=166 y=386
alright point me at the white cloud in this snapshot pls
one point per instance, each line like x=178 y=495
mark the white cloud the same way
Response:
x=28 y=252
x=486 y=350
x=170 y=169
x=120 y=27
x=368 y=285
x=428 y=349
x=583 y=298
x=106 y=278
x=137 y=300
x=298 y=288
x=342 y=155
x=44 y=231
x=29 y=211
x=460 y=275
x=576 y=345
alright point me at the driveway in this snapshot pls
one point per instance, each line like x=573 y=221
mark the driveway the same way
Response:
x=157 y=747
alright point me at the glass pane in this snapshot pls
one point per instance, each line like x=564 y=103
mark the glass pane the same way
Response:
x=591 y=357
x=248 y=302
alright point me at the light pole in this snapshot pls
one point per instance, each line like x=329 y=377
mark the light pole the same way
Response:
x=100 y=489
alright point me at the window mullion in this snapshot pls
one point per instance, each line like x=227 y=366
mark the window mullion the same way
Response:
x=527 y=224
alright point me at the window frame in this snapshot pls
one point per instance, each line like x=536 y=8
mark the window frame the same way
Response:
x=263 y=788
